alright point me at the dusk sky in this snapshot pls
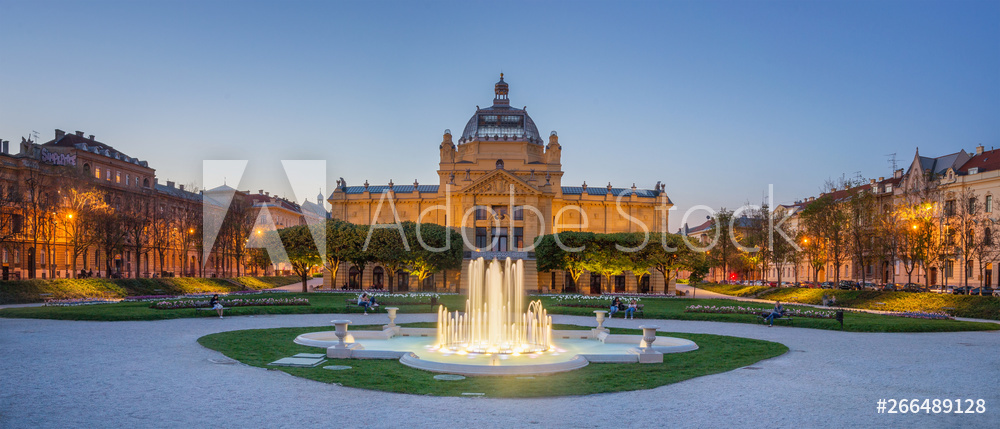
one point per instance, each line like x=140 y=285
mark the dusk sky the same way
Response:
x=715 y=99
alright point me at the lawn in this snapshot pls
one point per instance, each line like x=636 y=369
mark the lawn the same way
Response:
x=29 y=291
x=975 y=307
x=734 y=290
x=716 y=354
x=655 y=308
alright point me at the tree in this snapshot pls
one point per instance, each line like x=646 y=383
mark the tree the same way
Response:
x=567 y=251
x=860 y=209
x=825 y=221
x=340 y=241
x=82 y=207
x=301 y=249
x=607 y=260
x=388 y=250
x=423 y=260
x=725 y=248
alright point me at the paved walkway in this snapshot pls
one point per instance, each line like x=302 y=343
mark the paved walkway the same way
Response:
x=155 y=374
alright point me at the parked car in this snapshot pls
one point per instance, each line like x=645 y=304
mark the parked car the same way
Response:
x=869 y=286
x=848 y=285
x=913 y=287
x=986 y=291
x=941 y=289
x=961 y=290
x=890 y=287
x=826 y=285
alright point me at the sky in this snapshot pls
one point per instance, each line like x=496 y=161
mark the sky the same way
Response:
x=718 y=100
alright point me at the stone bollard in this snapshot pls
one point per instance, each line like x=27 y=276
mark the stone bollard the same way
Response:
x=600 y=318
x=648 y=336
x=341 y=350
x=392 y=315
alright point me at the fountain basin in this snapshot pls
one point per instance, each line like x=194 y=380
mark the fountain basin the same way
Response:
x=573 y=349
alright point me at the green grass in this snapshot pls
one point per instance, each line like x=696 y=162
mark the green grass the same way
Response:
x=29 y=291
x=716 y=354
x=734 y=290
x=975 y=307
x=655 y=308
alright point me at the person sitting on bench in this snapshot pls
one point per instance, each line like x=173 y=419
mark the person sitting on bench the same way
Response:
x=216 y=305
x=778 y=311
x=614 y=306
x=364 y=302
x=630 y=311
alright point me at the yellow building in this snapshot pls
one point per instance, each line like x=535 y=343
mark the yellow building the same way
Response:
x=501 y=186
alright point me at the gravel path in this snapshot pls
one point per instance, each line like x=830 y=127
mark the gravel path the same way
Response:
x=155 y=374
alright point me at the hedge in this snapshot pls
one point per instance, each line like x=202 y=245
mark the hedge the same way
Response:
x=29 y=291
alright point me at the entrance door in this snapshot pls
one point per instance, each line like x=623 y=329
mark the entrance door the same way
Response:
x=402 y=281
x=644 y=284
x=568 y=284
x=934 y=271
x=31 y=262
x=595 y=284
x=619 y=284
x=6 y=273
x=988 y=275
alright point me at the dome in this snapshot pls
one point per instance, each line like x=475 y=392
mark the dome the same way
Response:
x=501 y=121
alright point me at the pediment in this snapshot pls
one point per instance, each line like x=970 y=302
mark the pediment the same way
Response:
x=499 y=182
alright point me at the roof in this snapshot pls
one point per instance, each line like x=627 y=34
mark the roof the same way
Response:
x=500 y=121
x=176 y=192
x=80 y=142
x=579 y=190
x=986 y=161
x=399 y=189
x=941 y=164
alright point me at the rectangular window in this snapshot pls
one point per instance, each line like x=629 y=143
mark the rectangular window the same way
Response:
x=968 y=269
x=118 y=177
x=481 y=238
x=972 y=205
x=17 y=224
x=518 y=213
x=949 y=269
x=949 y=208
x=97 y=172
x=480 y=213
x=500 y=235
x=888 y=188
x=518 y=238
x=107 y=173
x=501 y=211
x=989 y=204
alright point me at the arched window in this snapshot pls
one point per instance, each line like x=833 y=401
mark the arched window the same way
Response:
x=988 y=237
x=86 y=167
x=378 y=275
x=145 y=183
x=354 y=278
x=499 y=164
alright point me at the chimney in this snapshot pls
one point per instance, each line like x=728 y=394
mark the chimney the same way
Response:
x=979 y=150
x=881 y=179
x=182 y=187
x=6 y=146
x=91 y=137
x=832 y=190
x=872 y=182
x=897 y=174
x=156 y=181
x=79 y=133
x=268 y=193
x=59 y=134
x=260 y=192
x=170 y=184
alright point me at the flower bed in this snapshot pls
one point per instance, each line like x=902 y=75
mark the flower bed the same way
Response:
x=735 y=309
x=80 y=301
x=235 y=302
x=924 y=315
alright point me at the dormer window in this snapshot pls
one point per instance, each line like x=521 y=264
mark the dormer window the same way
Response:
x=974 y=170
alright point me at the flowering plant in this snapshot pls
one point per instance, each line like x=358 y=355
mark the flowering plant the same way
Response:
x=235 y=302
x=735 y=309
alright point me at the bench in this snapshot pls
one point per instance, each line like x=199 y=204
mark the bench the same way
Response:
x=351 y=305
x=197 y=309
x=761 y=318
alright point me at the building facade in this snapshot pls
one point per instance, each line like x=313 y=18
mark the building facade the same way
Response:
x=501 y=185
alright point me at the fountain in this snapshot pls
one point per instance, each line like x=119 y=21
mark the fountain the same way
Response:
x=496 y=335
x=494 y=320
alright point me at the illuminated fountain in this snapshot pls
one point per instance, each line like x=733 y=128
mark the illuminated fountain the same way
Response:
x=495 y=320
x=496 y=335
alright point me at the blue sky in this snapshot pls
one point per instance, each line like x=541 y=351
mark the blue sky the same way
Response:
x=715 y=99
